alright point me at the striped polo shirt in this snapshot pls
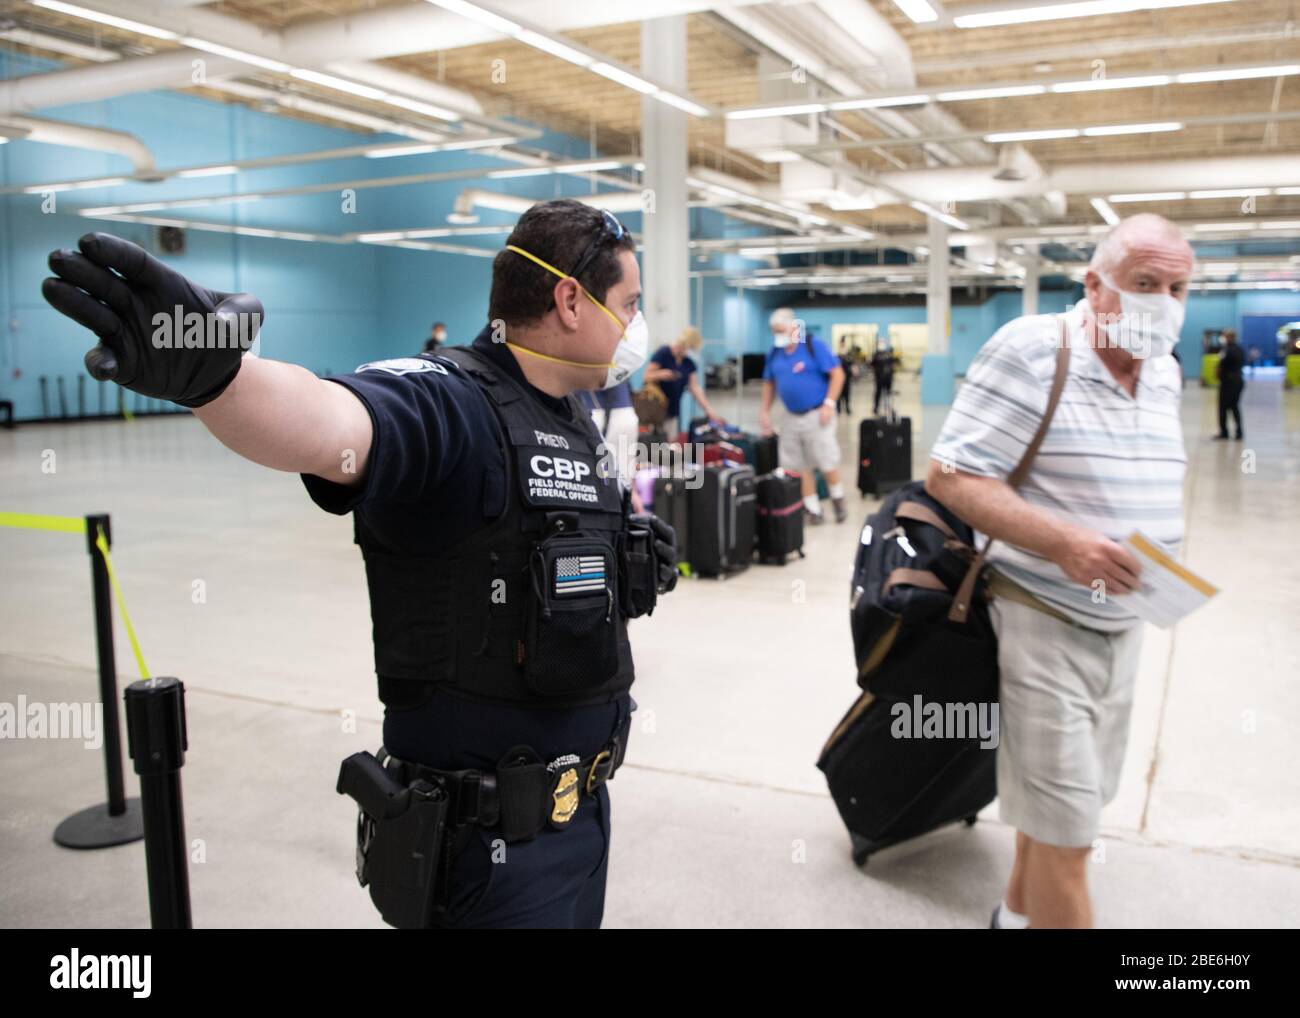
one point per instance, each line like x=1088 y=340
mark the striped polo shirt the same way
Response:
x=1110 y=461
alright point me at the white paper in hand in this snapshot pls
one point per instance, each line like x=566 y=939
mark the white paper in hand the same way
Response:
x=1167 y=591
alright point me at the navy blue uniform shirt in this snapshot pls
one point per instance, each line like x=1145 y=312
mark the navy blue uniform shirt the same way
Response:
x=434 y=476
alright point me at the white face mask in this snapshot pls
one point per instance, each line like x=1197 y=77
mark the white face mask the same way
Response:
x=630 y=353
x=1149 y=323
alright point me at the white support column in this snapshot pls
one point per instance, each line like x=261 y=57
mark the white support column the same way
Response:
x=665 y=231
x=937 y=299
x=1031 y=263
x=937 y=367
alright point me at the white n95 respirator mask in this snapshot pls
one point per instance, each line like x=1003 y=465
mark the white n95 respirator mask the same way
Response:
x=1149 y=323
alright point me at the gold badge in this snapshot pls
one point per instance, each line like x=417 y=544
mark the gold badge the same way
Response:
x=566 y=797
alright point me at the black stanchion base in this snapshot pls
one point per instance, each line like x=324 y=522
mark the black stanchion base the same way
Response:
x=93 y=827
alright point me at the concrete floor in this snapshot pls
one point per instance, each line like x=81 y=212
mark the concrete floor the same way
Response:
x=721 y=818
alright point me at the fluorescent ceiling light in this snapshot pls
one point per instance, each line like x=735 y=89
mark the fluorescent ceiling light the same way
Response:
x=625 y=78
x=339 y=84
x=777 y=155
x=416 y=106
x=1242 y=192
x=879 y=103
x=842 y=202
x=1064 y=132
x=208 y=171
x=918 y=10
x=479 y=14
x=1221 y=227
x=554 y=47
x=126 y=24
x=1237 y=73
x=592 y=166
x=1286 y=190
x=403 y=150
x=995 y=92
x=1102 y=84
x=682 y=103
x=777 y=111
x=73 y=185
x=1055 y=12
x=1149 y=196
x=236 y=54
x=1105 y=211
x=1279 y=225
x=943 y=217
x=1099 y=132
x=522 y=171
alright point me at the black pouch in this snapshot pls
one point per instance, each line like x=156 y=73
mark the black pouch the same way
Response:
x=571 y=633
x=638 y=573
x=401 y=834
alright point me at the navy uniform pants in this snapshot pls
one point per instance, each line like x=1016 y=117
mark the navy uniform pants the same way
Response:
x=556 y=880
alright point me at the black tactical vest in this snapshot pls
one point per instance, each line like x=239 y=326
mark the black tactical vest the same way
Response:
x=525 y=611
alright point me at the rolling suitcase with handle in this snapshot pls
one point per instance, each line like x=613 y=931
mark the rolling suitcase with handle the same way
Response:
x=723 y=517
x=672 y=505
x=760 y=451
x=780 y=517
x=884 y=452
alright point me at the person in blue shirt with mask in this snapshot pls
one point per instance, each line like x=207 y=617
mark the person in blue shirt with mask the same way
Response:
x=808 y=377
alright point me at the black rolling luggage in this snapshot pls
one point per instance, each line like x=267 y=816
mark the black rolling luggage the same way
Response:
x=760 y=451
x=722 y=519
x=780 y=517
x=672 y=505
x=889 y=779
x=884 y=452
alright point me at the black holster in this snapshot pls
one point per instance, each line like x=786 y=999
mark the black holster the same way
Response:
x=400 y=840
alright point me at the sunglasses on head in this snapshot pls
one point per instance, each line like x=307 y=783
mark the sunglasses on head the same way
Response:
x=611 y=231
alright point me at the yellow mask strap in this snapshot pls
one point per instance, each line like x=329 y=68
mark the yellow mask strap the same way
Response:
x=554 y=271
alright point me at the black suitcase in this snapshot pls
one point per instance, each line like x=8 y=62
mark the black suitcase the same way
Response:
x=723 y=516
x=884 y=453
x=780 y=517
x=672 y=505
x=760 y=451
x=888 y=785
x=889 y=789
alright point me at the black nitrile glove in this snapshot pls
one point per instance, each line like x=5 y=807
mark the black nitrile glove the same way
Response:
x=665 y=539
x=115 y=288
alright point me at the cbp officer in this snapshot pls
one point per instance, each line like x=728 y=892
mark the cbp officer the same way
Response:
x=501 y=557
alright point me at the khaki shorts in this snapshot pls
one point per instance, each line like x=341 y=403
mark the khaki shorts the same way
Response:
x=1066 y=693
x=806 y=443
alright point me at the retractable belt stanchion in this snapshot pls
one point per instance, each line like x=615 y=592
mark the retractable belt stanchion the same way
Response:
x=118 y=821
x=156 y=742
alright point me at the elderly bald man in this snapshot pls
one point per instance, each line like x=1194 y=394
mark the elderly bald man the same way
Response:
x=1112 y=462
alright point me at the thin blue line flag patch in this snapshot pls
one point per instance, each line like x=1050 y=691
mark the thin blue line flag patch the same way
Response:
x=578 y=574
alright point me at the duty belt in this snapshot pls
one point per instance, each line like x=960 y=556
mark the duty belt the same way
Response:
x=524 y=795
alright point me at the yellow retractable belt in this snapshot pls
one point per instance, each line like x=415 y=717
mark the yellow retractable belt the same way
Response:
x=77 y=525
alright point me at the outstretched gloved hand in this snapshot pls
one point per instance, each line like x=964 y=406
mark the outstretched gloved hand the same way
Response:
x=665 y=539
x=144 y=313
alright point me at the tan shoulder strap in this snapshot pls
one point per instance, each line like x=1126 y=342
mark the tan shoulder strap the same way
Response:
x=962 y=599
